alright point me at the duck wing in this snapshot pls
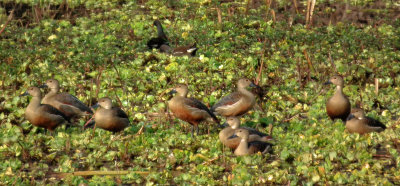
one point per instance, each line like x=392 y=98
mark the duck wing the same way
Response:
x=228 y=100
x=254 y=131
x=375 y=123
x=259 y=146
x=71 y=100
x=119 y=112
x=192 y=102
x=51 y=110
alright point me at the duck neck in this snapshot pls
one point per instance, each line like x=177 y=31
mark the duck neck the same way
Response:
x=361 y=116
x=54 y=91
x=339 y=90
x=35 y=102
x=235 y=126
x=176 y=100
x=160 y=31
x=244 y=91
x=182 y=94
x=243 y=147
x=99 y=115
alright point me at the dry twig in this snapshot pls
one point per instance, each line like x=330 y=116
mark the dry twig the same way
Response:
x=219 y=15
x=10 y=17
x=93 y=173
x=332 y=63
x=270 y=128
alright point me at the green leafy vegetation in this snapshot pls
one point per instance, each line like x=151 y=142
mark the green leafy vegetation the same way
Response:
x=98 y=48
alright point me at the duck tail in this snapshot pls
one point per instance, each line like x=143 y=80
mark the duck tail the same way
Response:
x=192 y=50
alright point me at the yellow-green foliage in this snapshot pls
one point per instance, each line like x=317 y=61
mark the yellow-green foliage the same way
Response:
x=108 y=44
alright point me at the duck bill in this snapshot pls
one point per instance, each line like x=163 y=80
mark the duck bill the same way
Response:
x=328 y=83
x=254 y=85
x=233 y=136
x=95 y=106
x=224 y=125
x=172 y=92
x=351 y=116
x=24 y=94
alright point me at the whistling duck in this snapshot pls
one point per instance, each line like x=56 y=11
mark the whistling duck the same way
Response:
x=109 y=117
x=357 y=122
x=338 y=106
x=189 y=109
x=246 y=148
x=236 y=103
x=234 y=124
x=66 y=103
x=161 y=39
x=42 y=115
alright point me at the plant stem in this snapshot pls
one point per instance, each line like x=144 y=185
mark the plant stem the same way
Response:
x=10 y=17
x=93 y=173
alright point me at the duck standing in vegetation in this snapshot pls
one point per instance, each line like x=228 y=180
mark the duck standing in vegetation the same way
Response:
x=246 y=147
x=338 y=106
x=189 y=109
x=109 y=117
x=161 y=38
x=68 y=104
x=357 y=122
x=42 y=115
x=236 y=103
x=233 y=142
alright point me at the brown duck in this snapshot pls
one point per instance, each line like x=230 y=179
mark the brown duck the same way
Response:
x=236 y=103
x=338 y=106
x=42 y=115
x=357 y=122
x=180 y=51
x=109 y=117
x=68 y=104
x=233 y=143
x=189 y=109
x=246 y=148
